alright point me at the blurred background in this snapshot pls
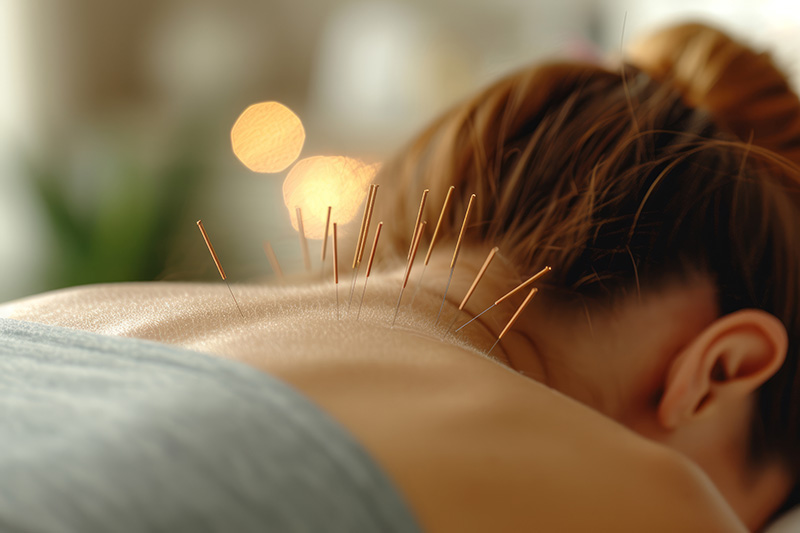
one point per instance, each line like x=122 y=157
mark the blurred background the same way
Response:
x=115 y=115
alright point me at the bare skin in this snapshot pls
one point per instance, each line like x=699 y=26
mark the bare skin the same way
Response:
x=473 y=444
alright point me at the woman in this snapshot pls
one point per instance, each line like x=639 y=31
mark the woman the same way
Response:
x=649 y=384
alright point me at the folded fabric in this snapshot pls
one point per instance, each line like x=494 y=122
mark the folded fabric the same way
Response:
x=117 y=434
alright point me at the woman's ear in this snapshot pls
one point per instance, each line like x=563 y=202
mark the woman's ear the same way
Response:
x=730 y=358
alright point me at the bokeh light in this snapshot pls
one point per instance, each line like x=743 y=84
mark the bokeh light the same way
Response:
x=267 y=137
x=317 y=182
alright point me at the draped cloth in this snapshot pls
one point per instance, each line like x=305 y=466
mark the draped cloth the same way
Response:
x=117 y=434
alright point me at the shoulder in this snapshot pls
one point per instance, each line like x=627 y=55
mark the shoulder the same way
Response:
x=474 y=446
x=477 y=448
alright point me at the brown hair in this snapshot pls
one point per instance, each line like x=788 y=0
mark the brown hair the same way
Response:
x=684 y=164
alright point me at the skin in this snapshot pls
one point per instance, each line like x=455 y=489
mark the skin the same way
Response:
x=619 y=361
x=531 y=437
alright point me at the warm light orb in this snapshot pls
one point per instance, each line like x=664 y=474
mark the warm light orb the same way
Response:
x=267 y=137
x=317 y=182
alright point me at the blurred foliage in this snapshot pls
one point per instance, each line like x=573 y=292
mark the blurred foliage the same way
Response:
x=121 y=229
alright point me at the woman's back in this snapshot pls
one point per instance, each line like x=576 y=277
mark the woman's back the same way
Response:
x=471 y=444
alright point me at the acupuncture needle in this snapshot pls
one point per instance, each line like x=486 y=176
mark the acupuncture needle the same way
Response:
x=472 y=287
x=433 y=241
x=273 y=259
x=514 y=318
x=513 y=291
x=419 y=217
x=336 y=267
x=369 y=267
x=415 y=246
x=362 y=236
x=325 y=243
x=217 y=263
x=303 y=241
x=455 y=256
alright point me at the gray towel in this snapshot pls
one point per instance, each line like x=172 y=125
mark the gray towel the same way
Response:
x=116 y=434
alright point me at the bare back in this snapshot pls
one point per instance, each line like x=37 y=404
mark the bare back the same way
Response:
x=473 y=445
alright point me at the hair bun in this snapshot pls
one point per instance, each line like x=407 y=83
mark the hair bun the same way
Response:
x=743 y=90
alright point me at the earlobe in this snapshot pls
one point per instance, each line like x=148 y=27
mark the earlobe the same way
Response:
x=730 y=358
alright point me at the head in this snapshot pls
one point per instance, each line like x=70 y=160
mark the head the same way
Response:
x=665 y=196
